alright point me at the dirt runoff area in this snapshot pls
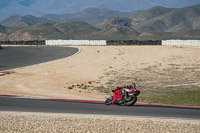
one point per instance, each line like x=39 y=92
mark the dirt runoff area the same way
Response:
x=74 y=123
x=96 y=70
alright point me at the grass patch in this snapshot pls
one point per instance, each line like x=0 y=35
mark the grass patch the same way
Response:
x=187 y=98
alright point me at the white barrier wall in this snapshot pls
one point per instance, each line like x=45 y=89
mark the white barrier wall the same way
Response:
x=75 y=42
x=181 y=42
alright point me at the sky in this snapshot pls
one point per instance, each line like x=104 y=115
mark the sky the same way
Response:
x=7 y=3
x=41 y=7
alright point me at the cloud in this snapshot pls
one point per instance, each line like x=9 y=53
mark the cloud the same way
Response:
x=7 y=3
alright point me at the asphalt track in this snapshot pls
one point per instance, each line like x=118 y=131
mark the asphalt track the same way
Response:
x=61 y=106
x=15 y=57
x=20 y=56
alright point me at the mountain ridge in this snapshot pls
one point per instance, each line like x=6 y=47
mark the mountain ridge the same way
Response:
x=154 y=23
x=159 y=19
x=41 y=7
x=89 y=15
x=13 y=20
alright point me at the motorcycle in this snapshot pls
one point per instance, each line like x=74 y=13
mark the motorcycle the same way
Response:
x=124 y=97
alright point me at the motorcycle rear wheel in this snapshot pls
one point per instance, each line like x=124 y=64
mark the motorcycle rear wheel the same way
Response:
x=109 y=100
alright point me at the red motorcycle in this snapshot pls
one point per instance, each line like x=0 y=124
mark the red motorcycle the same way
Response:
x=123 y=96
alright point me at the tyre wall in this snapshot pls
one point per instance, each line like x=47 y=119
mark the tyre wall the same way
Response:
x=76 y=42
x=105 y=42
x=34 y=42
x=133 y=42
x=181 y=42
x=102 y=42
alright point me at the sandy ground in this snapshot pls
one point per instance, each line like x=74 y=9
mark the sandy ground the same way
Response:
x=20 y=122
x=105 y=67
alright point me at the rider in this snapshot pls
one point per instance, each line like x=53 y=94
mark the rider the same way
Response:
x=130 y=87
x=124 y=92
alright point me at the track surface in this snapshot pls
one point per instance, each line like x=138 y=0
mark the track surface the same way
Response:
x=54 y=106
x=14 y=57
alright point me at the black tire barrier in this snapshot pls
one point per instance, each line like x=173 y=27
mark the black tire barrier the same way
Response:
x=134 y=42
x=34 y=42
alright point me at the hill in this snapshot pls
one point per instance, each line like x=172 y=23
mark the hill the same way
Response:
x=89 y=15
x=175 y=20
x=41 y=31
x=158 y=22
x=13 y=20
x=137 y=21
x=3 y=29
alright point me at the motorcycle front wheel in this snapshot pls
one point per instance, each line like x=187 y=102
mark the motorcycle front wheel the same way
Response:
x=109 y=100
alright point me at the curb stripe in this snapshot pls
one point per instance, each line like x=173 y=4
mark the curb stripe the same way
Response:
x=3 y=72
x=15 y=96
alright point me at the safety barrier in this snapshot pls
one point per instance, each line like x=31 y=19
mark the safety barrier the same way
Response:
x=34 y=42
x=105 y=42
x=181 y=42
x=133 y=42
x=75 y=42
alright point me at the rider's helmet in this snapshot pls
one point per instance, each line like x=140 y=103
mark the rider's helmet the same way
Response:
x=131 y=86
